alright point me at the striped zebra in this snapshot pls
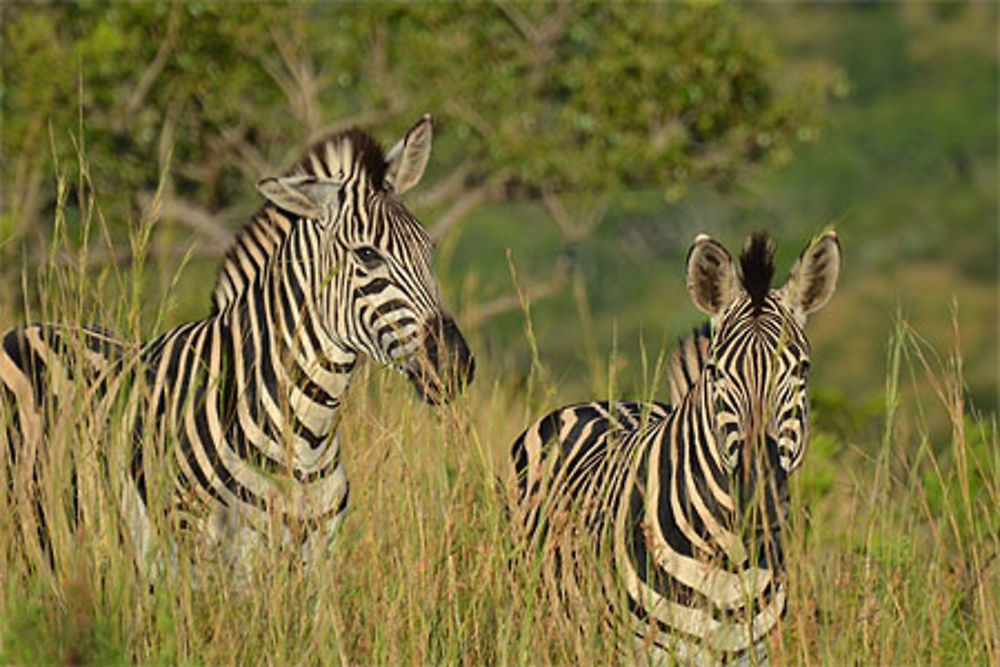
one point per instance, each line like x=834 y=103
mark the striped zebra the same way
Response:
x=242 y=407
x=672 y=514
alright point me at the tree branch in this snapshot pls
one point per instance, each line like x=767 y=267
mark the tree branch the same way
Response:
x=465 y=204
x=168 y=134
x=595 y=216
x=152 y=73
x=482 y=313
x=379 y=68
x=472 y=117
x=570 y=231
x=191 y=216
x=547 y=31
x=518 y=20
x=554 y=25
x=244 y=155
x=554 y=207
x=447 y=187
x=303 y=87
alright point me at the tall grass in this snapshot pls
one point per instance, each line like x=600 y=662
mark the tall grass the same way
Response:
x=893 y=549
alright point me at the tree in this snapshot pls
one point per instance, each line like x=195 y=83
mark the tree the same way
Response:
x=564 y=103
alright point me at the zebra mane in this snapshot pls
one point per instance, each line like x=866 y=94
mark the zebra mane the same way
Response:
x=254 y=244
x=757 y=267
x=687 y=362
x=364 y=151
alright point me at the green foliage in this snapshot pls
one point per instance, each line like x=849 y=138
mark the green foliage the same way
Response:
x=132 y=78
x=42 y=629
x=972 y=476
x=581 y=96
x=907 y=172
x=596 y=96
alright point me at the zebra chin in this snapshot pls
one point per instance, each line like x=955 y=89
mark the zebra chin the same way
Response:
x=445 y=366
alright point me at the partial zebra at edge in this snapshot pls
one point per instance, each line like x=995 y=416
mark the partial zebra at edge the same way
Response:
x=57 y=389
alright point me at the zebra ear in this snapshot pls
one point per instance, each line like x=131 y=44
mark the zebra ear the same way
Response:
x=303 y=195
x=813 y=278
x=408 y=158
x=711 y=276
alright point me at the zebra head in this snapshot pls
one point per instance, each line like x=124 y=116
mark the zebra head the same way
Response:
x=757 y=373
x=376 y=289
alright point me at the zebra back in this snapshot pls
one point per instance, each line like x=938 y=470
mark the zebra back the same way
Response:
x=59 y=386
x=687 y=362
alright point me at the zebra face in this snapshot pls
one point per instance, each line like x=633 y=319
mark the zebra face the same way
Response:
x=757 y=378
x=376 y=289
x=757 y=375
x=397 y=314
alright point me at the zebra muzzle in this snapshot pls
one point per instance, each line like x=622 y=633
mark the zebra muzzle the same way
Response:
x=445 y=366
x=761 y=487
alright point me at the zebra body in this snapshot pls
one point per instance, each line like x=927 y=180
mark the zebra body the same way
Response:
x=241 y=408
x=674 y=512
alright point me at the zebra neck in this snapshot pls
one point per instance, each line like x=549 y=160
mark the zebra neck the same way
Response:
x=755 y=505
x=291 y=291
x=289 y=372
x=694 y=451
x=699 y=405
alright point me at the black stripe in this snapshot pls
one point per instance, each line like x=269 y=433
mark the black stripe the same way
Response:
x=315 y=392
x=301 y=430
x=373 y=287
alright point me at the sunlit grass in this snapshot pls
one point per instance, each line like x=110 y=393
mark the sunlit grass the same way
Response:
x=893 y=552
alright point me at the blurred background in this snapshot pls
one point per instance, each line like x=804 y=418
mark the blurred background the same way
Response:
x=579 y=148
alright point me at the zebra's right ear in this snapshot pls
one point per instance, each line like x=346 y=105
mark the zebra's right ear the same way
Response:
x=408 y=158
x=302 y=195
x=711 y=276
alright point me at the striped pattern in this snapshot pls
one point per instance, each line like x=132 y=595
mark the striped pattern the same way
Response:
x=672 y=514
x=687 y=362
x=244 y=404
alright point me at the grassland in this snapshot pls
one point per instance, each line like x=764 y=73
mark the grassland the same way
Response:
x=894 y=544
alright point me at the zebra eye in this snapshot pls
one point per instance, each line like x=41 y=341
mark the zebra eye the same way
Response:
x=368 y=256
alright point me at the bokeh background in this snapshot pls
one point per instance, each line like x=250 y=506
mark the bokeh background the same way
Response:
x=589 y=142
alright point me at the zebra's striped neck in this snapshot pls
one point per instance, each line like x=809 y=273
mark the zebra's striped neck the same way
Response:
x=751 y=499
x=701 y=405
x=300 y=372
x=711 y=567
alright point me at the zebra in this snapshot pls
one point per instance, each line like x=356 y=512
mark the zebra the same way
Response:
x=243 y=406
x=674 y=513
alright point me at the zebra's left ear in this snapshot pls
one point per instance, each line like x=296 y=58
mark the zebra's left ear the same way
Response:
x=307 y=196
x=813 y=278
x=408 y=158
